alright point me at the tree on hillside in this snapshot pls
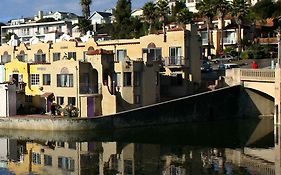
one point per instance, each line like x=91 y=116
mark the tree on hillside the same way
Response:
x=85 y=24
x=149 y=13
x=277 y=9
x=263 y=9
x=122 y=14
x=240 y=9
x=223 y=8
x=207 y=9
x=179 y=5
x=162 y=10
x=184 y=16
x=86 y=8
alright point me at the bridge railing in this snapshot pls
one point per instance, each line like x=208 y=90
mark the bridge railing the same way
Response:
x=266 y=75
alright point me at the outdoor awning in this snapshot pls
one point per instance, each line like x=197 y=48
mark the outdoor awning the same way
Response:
x=47 y=94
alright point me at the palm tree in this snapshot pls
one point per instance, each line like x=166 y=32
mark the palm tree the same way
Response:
x=162 y=10
x=207 y=9
x=223 y=8
x=86 y=7
x=240 y=9
x=149 y=13
x=184 y=16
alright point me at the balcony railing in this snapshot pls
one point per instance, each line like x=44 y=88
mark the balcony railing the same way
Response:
x=175 y=61
x=266 y=75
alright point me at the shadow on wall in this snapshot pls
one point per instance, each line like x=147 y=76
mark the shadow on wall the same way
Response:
x=255 y=103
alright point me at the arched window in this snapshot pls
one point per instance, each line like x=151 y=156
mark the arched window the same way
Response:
x=22 y=56
x=5 y=58
x=40 y=57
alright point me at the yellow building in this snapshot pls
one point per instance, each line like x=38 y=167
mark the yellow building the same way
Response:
x=104 y=77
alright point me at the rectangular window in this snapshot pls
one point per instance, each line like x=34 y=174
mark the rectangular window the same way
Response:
x=137 y=79
x=47 y=160
x=60 y=144
x=66 y=163
x=118 y=79
x=64 y=80
x=72 y=55
x=56 y=56
x=72 y=145
x=46 y=79
x=175 y=56
x=60 y=100
x=34 y=79
x=36 y=158
x=127 y=79
x=28 y=99
x=40 y=58
x=153 y=54
x=121 y=55
x=85 y=55
x=71 y=100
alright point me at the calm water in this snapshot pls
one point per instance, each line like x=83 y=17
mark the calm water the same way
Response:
x=228 y=147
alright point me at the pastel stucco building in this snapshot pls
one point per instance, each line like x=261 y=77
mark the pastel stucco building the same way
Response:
x=104 y=77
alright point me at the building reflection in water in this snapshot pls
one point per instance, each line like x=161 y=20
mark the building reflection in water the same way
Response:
x=112 y=158
x=191 y=150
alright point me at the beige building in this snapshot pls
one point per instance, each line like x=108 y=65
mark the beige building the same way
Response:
x=104 y=77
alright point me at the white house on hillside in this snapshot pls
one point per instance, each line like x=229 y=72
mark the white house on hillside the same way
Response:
x=101 y=18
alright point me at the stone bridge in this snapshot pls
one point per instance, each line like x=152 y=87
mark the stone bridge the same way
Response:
x=265 y=82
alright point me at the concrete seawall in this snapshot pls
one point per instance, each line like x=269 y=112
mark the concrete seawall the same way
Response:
x=209 y=106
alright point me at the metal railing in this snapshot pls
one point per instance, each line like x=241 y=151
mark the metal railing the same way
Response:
x=266 y=75
x=175 y=61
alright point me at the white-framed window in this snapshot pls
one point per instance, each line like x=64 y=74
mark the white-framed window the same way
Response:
x=56 y=56
x=72 y=55
x=5 y=58
x=34 y=79
x=36 y=158
x=118 y=79
x=120 y=55
x=175 y=55
x=153 y=54
x=66 y=163
x=60 y=100
x=46 y=79
x=40 y=58
x=64 y=80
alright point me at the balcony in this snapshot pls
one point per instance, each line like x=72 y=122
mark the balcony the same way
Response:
x=175 y=61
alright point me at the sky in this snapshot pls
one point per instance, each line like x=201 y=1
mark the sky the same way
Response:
x=13 y=9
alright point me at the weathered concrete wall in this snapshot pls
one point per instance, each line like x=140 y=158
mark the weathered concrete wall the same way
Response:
x=226 y=103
